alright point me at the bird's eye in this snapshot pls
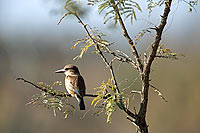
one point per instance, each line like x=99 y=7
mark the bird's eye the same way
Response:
x=66 y=68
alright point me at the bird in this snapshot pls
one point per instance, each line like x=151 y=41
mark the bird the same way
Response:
x=74 y=83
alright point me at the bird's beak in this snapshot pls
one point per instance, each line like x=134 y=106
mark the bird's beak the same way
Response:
x=60 y=71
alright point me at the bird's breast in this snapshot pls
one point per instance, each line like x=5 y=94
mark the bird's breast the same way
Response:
x=69 y=84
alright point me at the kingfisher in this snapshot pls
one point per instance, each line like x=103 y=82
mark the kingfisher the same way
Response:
x=74 y=83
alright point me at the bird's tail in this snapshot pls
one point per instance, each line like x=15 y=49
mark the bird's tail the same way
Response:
x=80 y=102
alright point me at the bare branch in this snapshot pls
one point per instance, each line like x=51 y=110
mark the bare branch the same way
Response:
x=62 y=18
x=159 y=93
x=36 y=86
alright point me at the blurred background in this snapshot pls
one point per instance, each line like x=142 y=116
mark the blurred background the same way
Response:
x=33 y=46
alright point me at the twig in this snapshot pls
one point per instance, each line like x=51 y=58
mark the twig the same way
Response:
x=36 y=86
x=167 y=57
x=159 y=93
x=121 y=56
x=62 y=18
x=190 y=5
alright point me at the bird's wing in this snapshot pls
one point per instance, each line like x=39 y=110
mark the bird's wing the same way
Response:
x=80 y=85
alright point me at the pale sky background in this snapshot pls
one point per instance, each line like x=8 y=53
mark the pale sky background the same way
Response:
x=33 y=18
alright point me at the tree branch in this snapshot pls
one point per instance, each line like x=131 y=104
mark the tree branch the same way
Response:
x=128 y=38
x=121 y=56
x=141 y=121
x=53 y=93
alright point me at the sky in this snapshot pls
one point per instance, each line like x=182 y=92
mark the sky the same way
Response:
x=35 y=17
x=34 y=23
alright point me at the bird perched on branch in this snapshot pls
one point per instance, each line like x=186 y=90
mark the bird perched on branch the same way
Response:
x=74 y=83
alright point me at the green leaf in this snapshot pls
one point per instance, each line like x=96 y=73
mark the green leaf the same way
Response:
x=97 y=102
x=95 y=99
x=103 y=6
x=134 y=14
x=106 y=20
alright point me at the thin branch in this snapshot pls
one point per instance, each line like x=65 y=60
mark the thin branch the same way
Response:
x=159 y=93
x=190 y=5
x=130 y=119
x=121 y=56
x=127 y=59
x=91 y=95
x=36 y=86
x=62 y=18
x=53 y=93
x=166 y=57
x=128 y=38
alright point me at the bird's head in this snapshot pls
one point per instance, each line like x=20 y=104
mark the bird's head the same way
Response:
x=69 y=70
